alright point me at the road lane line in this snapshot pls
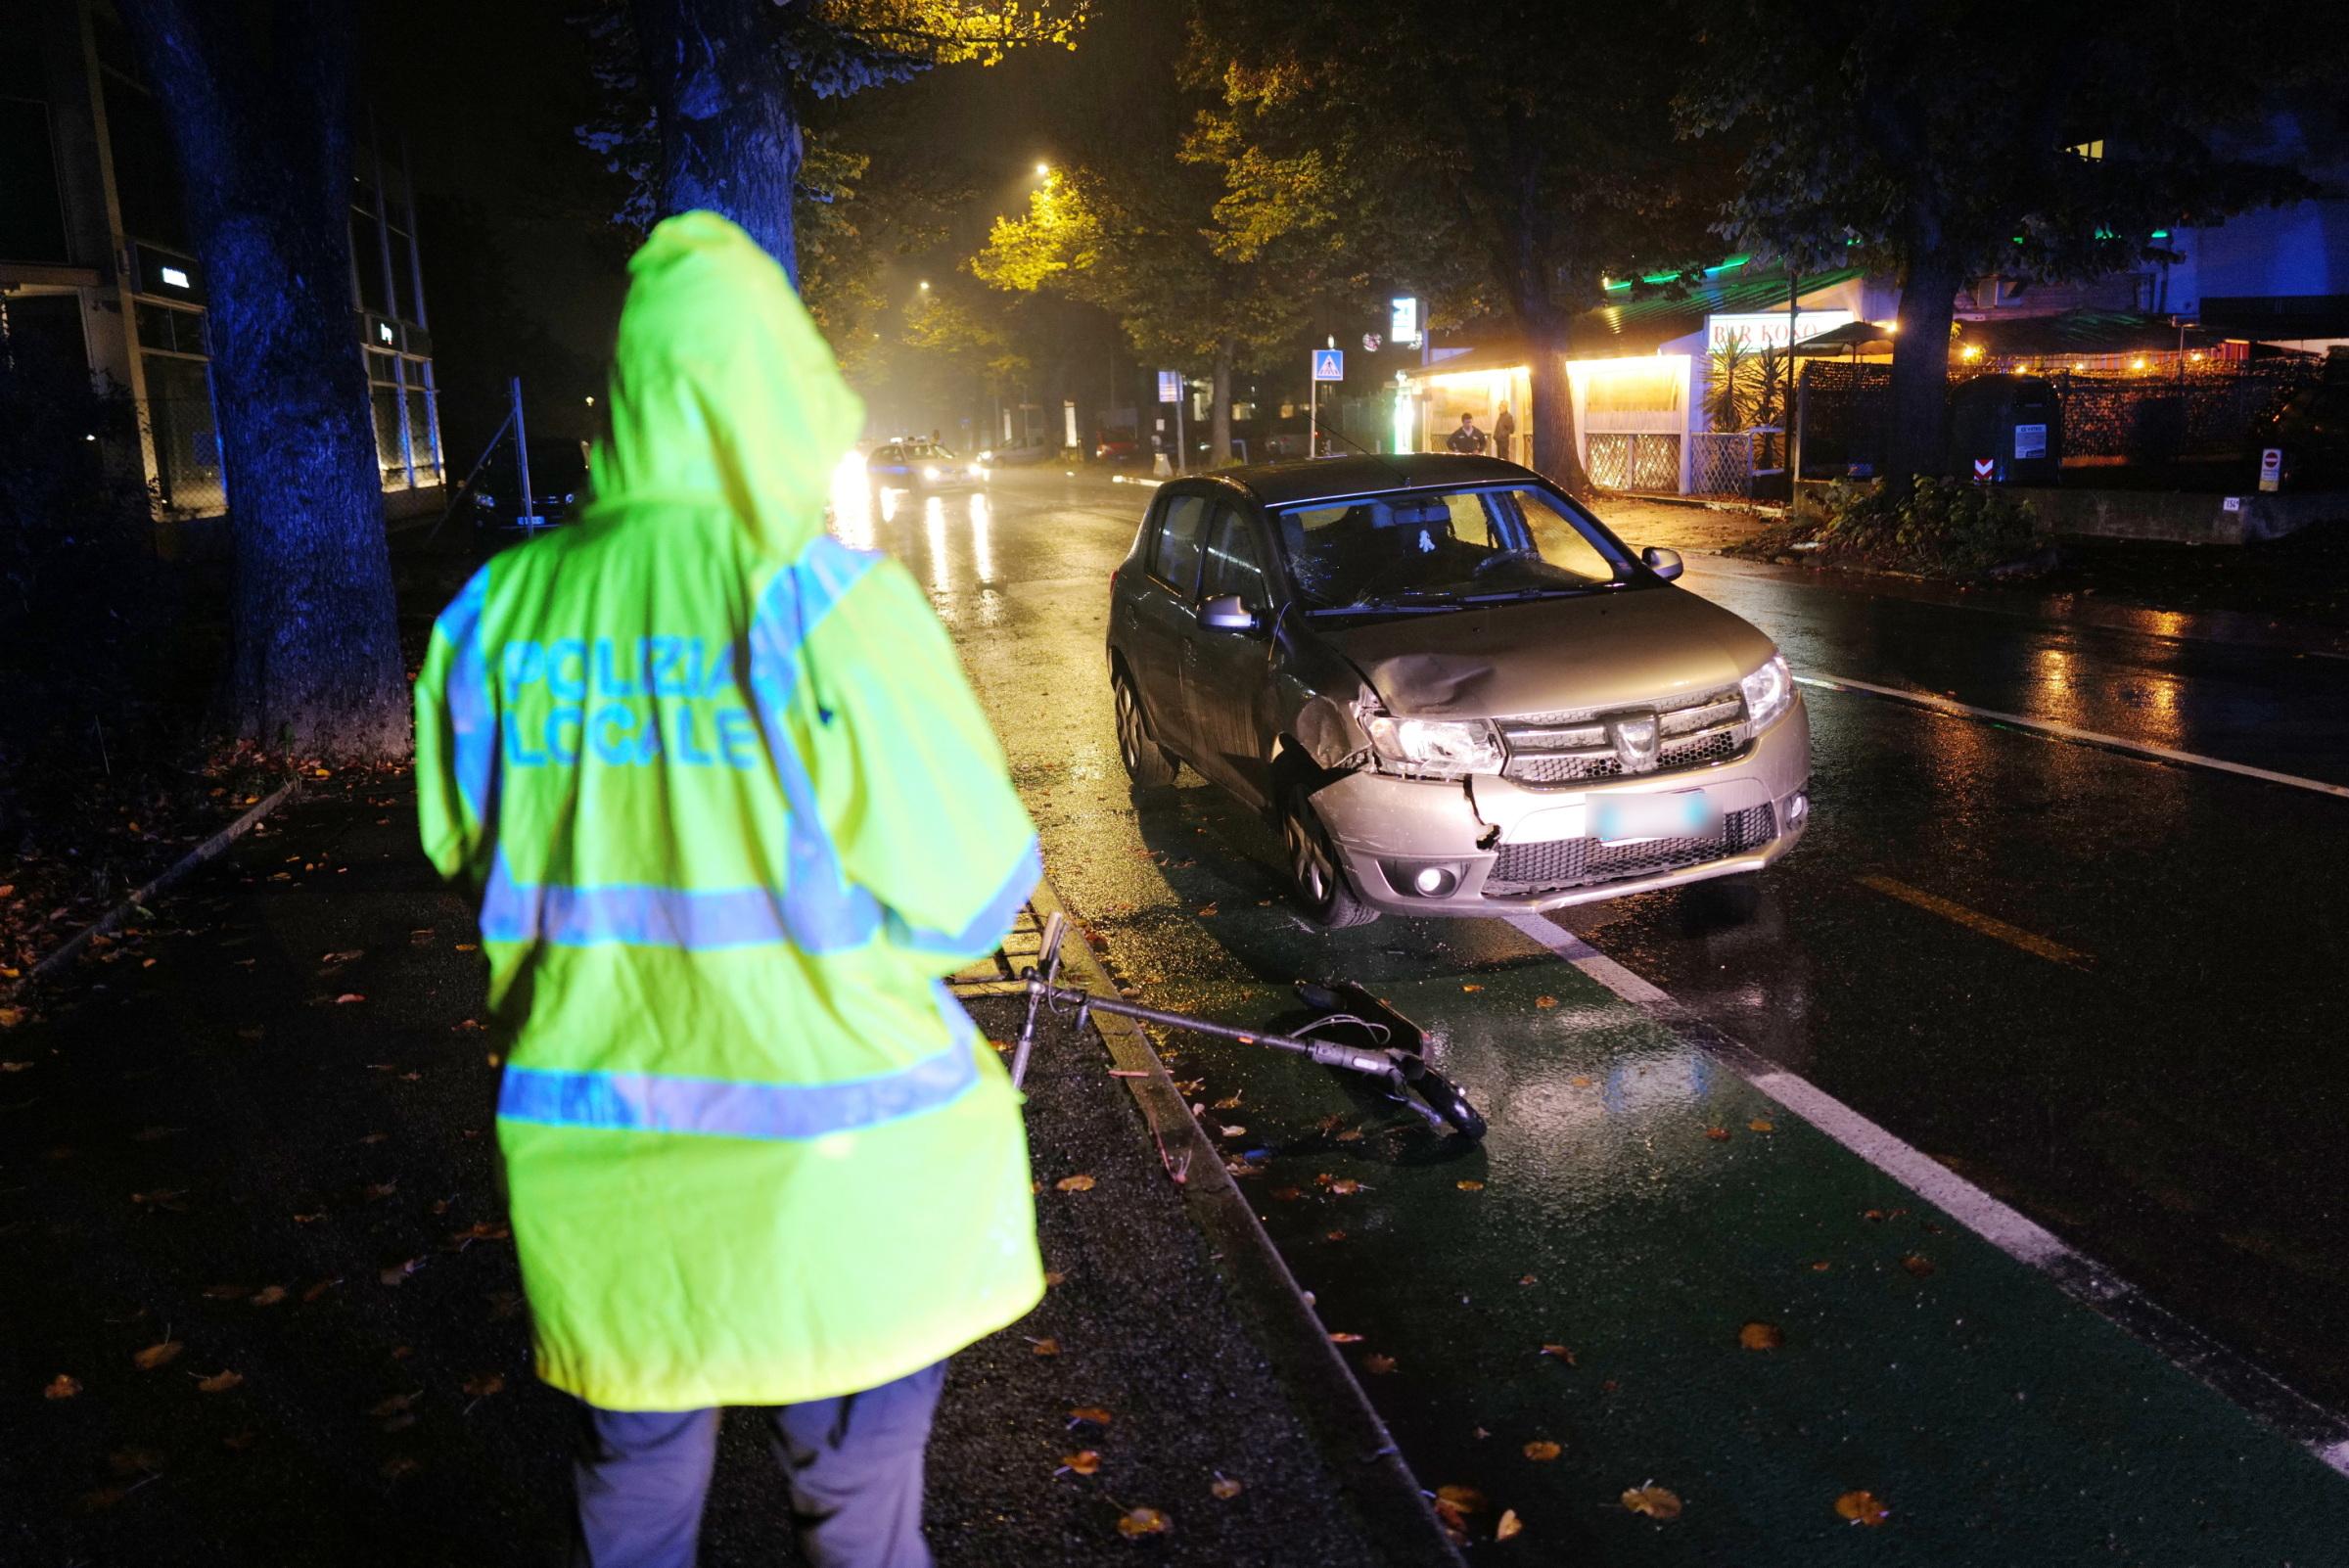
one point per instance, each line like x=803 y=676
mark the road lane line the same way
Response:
x=2324 y=1433
x=2071 y=733
x=1974 y=920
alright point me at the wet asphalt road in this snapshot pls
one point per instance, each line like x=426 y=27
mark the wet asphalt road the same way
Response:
x=2103 y=987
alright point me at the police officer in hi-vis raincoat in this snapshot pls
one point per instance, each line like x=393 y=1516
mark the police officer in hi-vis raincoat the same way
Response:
x=733 y=811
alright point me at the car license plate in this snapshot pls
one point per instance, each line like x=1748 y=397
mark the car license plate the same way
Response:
x=532 y=522
x=1632 y=818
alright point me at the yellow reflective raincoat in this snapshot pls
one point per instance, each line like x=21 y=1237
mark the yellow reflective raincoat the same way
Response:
x=733 y=811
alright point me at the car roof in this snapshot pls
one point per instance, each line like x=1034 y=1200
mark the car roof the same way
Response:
x=1329 y=478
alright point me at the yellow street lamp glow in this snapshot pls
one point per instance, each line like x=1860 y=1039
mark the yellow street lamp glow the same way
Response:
x=2138 y=363
x=2079 y=364
x=1043 y=171
x=925 y=286
x=1972 y=351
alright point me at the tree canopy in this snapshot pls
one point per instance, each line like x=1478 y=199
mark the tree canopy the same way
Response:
x=1938 y=141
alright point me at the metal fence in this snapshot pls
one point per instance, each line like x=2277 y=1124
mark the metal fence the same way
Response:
x=2205 y=412
x=1619 y=461
x=182 y=438
x=1726 y=462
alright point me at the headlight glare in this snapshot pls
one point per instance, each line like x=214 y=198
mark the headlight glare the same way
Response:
x=1768 y=691
x=929 y=471
x=1438 y=747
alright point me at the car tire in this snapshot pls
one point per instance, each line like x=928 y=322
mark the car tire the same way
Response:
x=1314 y=875
x=1150 y=766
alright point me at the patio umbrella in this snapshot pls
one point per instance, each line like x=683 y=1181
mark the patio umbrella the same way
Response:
x=1852 y=337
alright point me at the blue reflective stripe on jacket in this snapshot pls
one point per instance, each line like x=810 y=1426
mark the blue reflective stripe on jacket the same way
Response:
x=472 y=722
x=653 y=1102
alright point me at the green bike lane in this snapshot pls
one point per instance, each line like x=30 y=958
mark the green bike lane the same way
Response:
x=1629 y=1211
x=1637 y=1205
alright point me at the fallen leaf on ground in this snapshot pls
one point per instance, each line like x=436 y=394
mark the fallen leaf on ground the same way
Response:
x=227 y=1292
x=399 y=1271
x=219 y=1382
x=1092 y=1414
x=1761 y=1125
x=1225 y=1488
x=1231 y=1104
x=1341 y=1337
x=1352 y=1134
x=382 y=1189
x=1472 y=988
x=1467 y=1499
x=1345 y=1187
x=1821 y=1266
x=1235 y=1132
x=1559 y=1352
x=1287 y=1194
x=62 y=1387
x=1075 y=1183
x=1045 y=1347
x=1718 y=1134
x=482 y=1387
x=155 y=1356
x=268 y=1296
x=1337 y=1235
x=1581 y=1080
x=1541 y=1451
x=1657 y=1503
x=1545 y=1002
x=1053 y=1278
x=396 y=1405
x=1143 y=1522
x=1527 y=1279
x=1760 y=1336
x=320 y=1288
x=1378 y=1365
x=1917 y=1264
x=1085 y=1461
x=1206 y=911
x=135 y=1461
x=348 y=997
x=1861 y=1508
x=1509 y=1525
x=1469 y=1185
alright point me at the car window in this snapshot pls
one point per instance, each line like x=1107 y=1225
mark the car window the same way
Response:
x=1496 y=541
x=1562 y=541
x=887 y=455
x=1232 y=563
x=1181 y=531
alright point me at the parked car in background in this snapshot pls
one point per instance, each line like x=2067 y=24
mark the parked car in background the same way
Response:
x=911 y=463
x=558 y=487
x=1117 y=446
x=1452 y=689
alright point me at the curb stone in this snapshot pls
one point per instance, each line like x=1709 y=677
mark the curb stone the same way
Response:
x=204 y=854
x=1387 y=1493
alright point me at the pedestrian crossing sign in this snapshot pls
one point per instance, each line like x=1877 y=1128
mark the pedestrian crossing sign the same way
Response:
x=1330 y=365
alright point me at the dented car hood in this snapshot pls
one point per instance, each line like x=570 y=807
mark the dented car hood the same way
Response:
x=1602 y=650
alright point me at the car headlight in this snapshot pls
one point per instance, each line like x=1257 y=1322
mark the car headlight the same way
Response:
x=1436 y=748
x=986 y=457
x=1768 y=692
x=929 y=471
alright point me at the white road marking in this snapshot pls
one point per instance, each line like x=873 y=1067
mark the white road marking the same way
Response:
x=2072 y=733
x=2321 y=1431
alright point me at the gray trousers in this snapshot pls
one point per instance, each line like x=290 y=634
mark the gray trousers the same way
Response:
x=854 y=1465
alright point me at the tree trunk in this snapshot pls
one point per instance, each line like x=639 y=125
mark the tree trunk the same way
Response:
x=1917 y=430
x=1549 y=423
x=257 y=102
x=1219 y=450
x=729 y=129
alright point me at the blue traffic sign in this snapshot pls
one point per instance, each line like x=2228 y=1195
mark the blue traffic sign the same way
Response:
x=1330 y=365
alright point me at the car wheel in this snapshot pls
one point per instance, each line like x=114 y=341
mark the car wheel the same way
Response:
x=1313 y=870
x=1147 y=763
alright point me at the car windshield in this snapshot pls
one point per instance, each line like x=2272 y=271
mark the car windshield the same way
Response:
x=1447 y=547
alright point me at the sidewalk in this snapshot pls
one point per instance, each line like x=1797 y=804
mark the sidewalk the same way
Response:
x=262 y=1308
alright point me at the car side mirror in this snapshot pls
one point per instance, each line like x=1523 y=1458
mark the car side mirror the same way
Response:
x=1665 y=564
x=1226 y=613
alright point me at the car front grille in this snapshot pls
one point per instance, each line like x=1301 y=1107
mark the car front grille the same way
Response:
x=1569 y=747
x=1564 y=863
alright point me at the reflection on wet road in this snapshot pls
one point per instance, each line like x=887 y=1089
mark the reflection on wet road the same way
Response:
x=2102 y=988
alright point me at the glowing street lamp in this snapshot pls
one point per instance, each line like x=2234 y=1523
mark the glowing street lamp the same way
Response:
x=1043 y=171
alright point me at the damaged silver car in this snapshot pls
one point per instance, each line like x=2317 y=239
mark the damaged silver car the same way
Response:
x=1454 y=690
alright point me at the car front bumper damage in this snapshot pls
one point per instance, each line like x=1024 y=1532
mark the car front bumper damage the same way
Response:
x=1432 y=848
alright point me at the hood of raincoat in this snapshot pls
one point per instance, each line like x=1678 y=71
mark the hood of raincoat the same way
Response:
x=723 y=390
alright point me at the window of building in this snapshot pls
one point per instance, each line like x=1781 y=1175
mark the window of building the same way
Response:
x=32 y=220
x=187 y=439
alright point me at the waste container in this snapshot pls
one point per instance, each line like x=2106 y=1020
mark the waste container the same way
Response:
x=2007 y=429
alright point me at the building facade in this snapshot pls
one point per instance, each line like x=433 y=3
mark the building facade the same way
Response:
x=99 y=281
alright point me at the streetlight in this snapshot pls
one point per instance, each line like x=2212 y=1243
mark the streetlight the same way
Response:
x=925 y=286
x=591 y=402
x=1043 y=171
